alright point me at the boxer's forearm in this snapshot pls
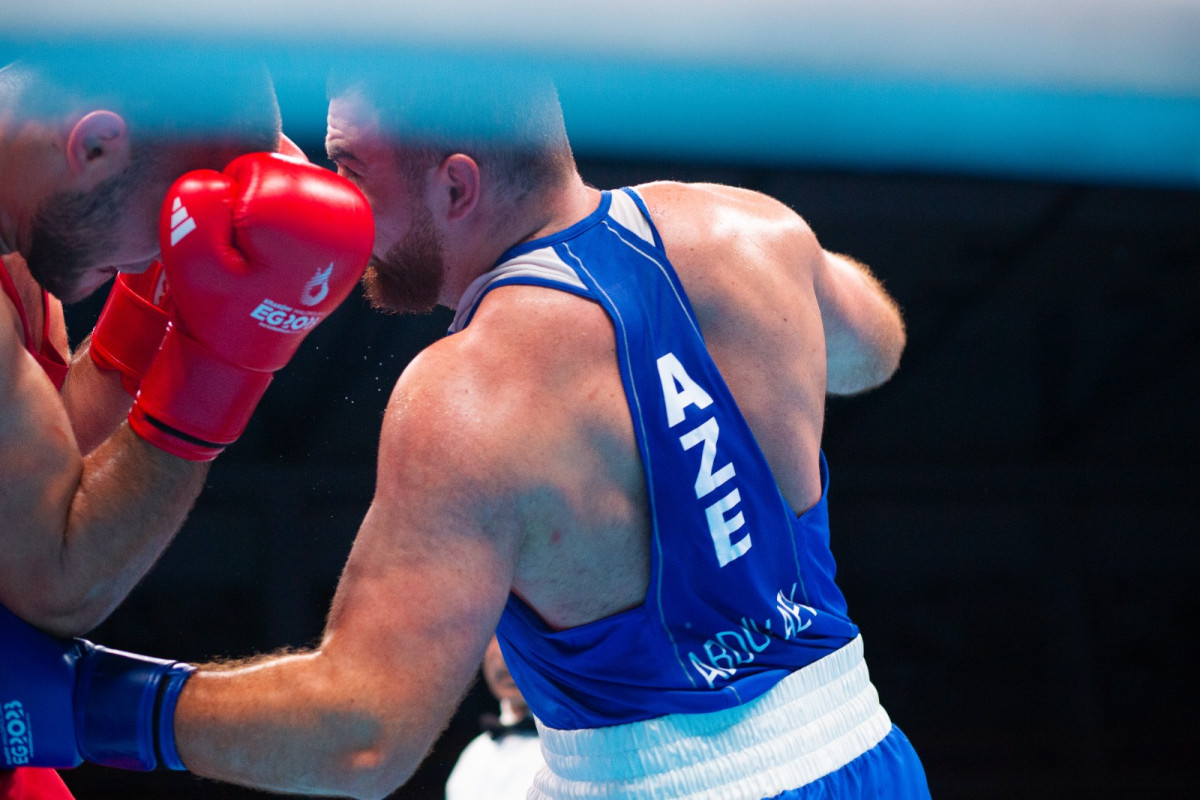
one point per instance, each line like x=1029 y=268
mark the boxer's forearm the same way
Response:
x=295 y=723
x=121 y=511
x=96 y=402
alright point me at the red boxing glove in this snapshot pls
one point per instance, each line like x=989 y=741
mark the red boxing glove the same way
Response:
x=256 y=257
x=131 y=326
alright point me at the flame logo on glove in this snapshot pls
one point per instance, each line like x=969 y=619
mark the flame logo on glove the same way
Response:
x=160 y=288
x=317 y=288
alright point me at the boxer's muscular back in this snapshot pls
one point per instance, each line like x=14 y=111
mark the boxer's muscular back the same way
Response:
x=559 y=443
x=748 y=264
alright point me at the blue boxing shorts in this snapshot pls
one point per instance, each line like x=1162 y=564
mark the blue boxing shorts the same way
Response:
x=821 y=729
x=888 y=771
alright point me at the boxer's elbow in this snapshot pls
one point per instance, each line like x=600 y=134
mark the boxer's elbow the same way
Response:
x=375 y=771
x=869 y=364
x=55 y=606
x=72 y=621
x=370 y=785
x=377 y=745
x=863 y=326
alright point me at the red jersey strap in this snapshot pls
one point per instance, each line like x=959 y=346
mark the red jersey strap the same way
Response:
x=30 y=783
x=10 y=289
x=47 y=357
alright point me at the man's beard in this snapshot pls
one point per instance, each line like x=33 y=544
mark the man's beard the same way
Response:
x=73 y=232
x=410 y=276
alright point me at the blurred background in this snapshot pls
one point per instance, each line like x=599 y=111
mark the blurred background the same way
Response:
x=1014 y=515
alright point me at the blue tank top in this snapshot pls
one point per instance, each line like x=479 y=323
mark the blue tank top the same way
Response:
x=741 y=589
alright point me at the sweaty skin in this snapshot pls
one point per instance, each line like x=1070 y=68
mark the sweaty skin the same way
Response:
x=508 y=462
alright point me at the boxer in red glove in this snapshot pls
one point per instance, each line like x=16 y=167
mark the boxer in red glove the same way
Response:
x=256 y=257
x=86 y=504
x=134 y=320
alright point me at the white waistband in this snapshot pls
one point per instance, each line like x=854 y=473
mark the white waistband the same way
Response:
x=815 y=721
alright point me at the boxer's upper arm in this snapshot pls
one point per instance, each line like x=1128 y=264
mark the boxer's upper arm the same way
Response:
x=864 y=332
x=40 y=467
x=431 y=568
x=417 y=603
x=76 y=534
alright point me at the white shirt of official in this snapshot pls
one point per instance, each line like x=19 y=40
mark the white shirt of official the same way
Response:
x=496 y=769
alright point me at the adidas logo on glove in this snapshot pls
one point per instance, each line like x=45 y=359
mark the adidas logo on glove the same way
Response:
x=181 y=222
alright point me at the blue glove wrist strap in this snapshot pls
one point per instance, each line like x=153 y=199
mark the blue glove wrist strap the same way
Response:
x=125 y=707
x=164 y=717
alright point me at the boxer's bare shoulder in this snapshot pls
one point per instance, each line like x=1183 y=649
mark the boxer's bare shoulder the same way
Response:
x=739 y=253
x=747 y=263
x=524 y=414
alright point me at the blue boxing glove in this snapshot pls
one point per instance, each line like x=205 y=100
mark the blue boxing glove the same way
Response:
x=65 y=701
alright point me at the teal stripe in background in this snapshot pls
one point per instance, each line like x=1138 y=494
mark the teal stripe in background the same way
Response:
x=746 y=114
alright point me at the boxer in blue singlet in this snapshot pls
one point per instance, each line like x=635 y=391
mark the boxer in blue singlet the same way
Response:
x=613 y=462
x=740 y=625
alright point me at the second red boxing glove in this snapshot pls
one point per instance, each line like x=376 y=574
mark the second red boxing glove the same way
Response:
x=256 y=256
x=131 y=326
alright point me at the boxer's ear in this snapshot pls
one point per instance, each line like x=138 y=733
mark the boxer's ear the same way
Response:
x=457 y=186
x=98 y=145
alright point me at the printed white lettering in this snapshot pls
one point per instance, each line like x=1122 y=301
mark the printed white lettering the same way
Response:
x=750 y=627
x=728 y=649
x=721 y=657
x=796 y=616
x=706 y=480
x=710 y=673
x=721 y=528
x=15 y=735
x=679 y=390
x=284 y=319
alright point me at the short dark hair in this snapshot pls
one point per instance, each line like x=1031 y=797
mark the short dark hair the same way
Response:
x=510 y=122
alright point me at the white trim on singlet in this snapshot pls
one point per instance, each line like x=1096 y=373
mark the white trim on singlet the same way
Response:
x=812 y=723
x=542 y=264
x=626 y=213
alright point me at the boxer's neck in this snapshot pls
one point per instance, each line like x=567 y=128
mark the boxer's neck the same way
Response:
x=558 y=208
